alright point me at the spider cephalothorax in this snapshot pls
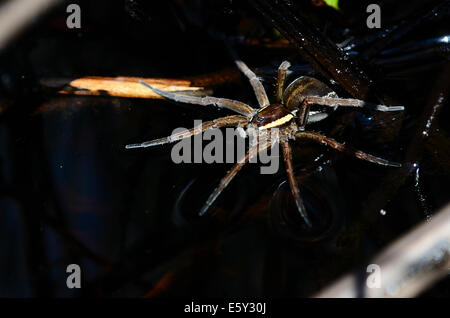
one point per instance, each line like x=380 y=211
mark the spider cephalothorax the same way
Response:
x=274 y=115
x=288 y=117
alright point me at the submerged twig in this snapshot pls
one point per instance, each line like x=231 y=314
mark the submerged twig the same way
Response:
x=118 y=86
x=130 y=87
x=407 y=267
x=323 y=54
x=18 y=14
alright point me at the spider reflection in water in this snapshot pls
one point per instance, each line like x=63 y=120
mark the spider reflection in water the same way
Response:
x=293 y=109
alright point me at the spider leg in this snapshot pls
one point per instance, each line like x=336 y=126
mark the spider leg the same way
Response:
x=258 y=88
x=281 y=79
x=216 y=123
x=348 y=102
x=303 y=112
x=341 y=147
x=287 y=154
x=233 y=105
x=252 y=152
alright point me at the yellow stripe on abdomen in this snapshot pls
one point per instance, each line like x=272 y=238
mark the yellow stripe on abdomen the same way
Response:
x=281 y=121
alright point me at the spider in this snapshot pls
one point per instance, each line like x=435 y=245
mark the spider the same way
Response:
x=289 y=115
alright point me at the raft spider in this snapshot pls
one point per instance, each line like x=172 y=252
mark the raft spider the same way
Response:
x=289 y=114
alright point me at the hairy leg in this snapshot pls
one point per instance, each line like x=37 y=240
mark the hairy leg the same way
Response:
x=258 y=88
x=341 y=147
x=287 y=155
x=233 y=105
x=302 y=113
x=216 y=123
x=281 y=79
x=253 y=151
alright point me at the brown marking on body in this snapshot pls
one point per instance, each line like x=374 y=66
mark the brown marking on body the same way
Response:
x=276 y=114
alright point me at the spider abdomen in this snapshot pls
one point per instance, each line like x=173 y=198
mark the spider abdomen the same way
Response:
x=305 y=86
